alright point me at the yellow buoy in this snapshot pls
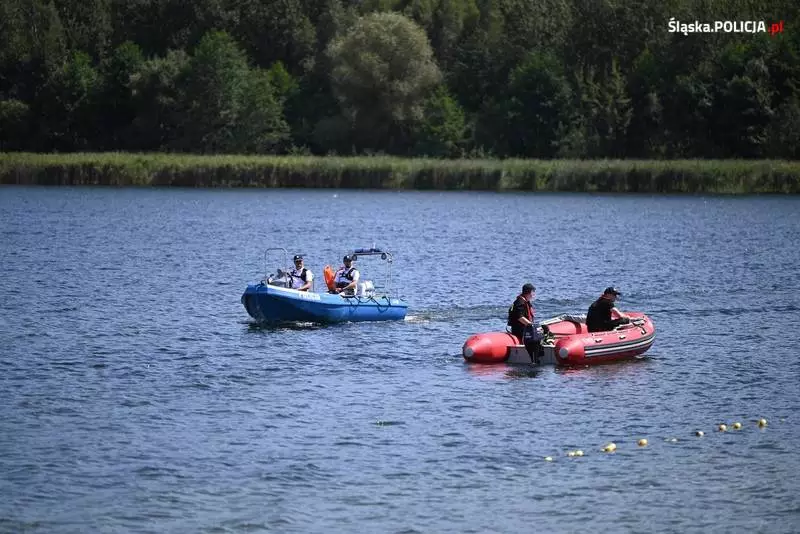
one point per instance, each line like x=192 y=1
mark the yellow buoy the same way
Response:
x=579 y=453
x=642 y=442
x=611 y=447
x=723 y=427
x=762 y=423
x=737 y=425
x=548 y=458
x=571 y=453
x=699 y=433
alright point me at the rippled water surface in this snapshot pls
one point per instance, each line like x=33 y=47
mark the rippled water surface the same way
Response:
x=136 y=395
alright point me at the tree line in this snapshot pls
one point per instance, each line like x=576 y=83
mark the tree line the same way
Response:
x=439 y=78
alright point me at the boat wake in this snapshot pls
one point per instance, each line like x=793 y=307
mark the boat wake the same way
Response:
x=417 y=319
x=485 y=312
x=284 y=325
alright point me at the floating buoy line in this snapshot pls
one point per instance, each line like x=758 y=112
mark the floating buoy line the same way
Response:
x=643 y=442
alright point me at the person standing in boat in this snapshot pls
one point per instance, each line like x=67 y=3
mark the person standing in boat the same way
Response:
x=598 y=318
x=347 y=276
x=520 y=319
x=301 y=277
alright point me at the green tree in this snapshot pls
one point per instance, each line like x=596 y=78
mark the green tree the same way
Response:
x=442 y=130
x=212 y=94
x=606 y=30
x=161 y=25
x=383 y=70
x=277 y=30
x=475 y=76
x=226 y=106
x=32 y=47
x=87 y=24
x=157 y=98
x=637 y=89
x=116 y=99
x=782 y=57
x=14 y=120
x=743 y=112
x=71 y=99
x=529 y=25
x=444 y=21
x=15 y=45
x=607 y=113
x=332 y=135
x=537 y=105
x=783 y=133
x=451 y=19
x=284 y=84
x=379 y=6
x=599 y=126
x=688 y=109
x=313 y=105
x=645 y=136
x=261 y=127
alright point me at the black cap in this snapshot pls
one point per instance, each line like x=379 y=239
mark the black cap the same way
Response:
x=528 y=288
x=297 y=257
x=611 y=291
x=348 y=257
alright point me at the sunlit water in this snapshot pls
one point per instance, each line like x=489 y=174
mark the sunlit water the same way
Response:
x=137 y=396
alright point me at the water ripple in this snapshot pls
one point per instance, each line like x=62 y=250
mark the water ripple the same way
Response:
x=139 y=397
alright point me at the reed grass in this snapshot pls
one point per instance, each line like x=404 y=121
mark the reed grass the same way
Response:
x=386 y=172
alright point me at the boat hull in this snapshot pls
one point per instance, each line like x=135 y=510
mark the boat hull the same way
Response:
x=567 y=342
x=267 y=303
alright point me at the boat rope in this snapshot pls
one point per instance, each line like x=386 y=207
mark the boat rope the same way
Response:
x=378 y=304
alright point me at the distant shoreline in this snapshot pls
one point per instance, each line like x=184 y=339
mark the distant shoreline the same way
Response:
x=385 y=172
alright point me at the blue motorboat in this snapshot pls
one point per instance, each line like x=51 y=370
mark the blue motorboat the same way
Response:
x=273 y=300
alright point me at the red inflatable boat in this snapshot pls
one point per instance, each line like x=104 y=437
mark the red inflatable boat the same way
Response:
x=566 y=341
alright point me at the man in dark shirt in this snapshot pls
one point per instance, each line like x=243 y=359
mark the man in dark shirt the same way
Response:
x=598 y=319
x=520 y=319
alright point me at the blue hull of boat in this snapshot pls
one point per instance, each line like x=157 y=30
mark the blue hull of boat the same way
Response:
x=266 y=303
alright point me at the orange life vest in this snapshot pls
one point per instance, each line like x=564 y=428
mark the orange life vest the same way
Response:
x=329 y=277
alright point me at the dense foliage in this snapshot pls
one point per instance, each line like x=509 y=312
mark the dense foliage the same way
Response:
x=443 y=78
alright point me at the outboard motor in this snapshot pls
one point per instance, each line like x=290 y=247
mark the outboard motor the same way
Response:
x=366 y=289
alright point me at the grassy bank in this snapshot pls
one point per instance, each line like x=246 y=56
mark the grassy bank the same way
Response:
x=677 y=176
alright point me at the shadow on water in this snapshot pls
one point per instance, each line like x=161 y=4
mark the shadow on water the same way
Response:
x=606 y=369
x=469 y=313
x=253 y=326
x=417 y=317
x=521 y=371
x=502 y=371
x=486 y=312
x=434 y=315
x=424 y=315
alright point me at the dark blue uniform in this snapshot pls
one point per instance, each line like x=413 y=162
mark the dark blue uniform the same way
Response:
x=522 y=308
x=598 y=318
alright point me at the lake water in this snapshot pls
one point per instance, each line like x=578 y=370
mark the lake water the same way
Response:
x=136 y=394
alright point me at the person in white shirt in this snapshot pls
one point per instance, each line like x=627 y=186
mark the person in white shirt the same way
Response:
x=301 y=277
x=346 y=279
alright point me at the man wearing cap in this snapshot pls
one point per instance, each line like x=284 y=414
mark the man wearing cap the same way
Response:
x=346 y=277
x=301 y=277
x=598 y=319
x=520 y=319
